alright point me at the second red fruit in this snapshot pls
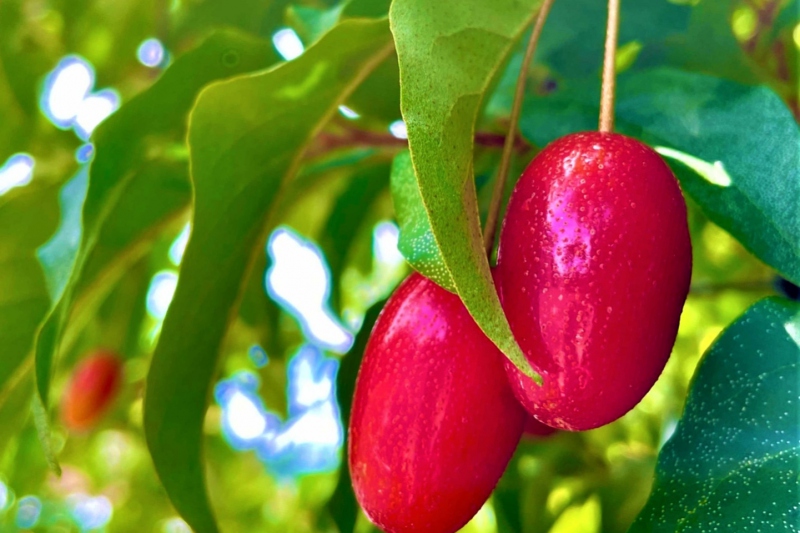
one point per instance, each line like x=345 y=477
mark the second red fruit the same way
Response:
x=593 y=269
x=91 y=390
x=434 y=422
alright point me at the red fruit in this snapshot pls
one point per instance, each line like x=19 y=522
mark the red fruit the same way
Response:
x=434 y=422
x=534 y=429
x=593 y=269
x=91 y=390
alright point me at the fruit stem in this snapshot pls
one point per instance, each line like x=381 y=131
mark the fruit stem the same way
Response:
x=609 y=68
x=497 y=194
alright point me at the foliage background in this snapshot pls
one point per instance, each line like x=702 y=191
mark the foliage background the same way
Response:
x=336 y=205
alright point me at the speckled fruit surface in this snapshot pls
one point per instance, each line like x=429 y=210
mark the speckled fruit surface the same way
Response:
x=594 y=265
x=91 y=390
x=434 y=422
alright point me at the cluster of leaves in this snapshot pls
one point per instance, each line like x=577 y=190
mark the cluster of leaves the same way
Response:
x=238 y=142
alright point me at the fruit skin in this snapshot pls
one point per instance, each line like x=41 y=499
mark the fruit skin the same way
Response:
x=534 y=430
x=594 y=265
x=434 y=422
x=92 y=389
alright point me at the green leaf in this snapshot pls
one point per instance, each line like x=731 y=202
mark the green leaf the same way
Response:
x=732 y=464
x=416 y=242
x=449 y=53
x=709 y=46
x=342 y=505
x=743 y=146
x=125 y=142
x=246 y=138
x=349 y=213
x=27 y=217
x=312 y=22
x=572 y=40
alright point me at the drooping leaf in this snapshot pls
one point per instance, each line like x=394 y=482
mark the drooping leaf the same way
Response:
x=246 y=139
x=122 y=144
x=416 y=242
x=734 y=148
x=733 y=463
x=342 y=505
x=449 y=54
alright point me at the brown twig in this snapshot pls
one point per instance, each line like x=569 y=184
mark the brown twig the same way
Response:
x=349 y=137
x=497 y=194
x=609 y=68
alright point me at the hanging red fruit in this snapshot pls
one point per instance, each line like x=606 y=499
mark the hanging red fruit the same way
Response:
x=593 y=268
x=434 y=422
x=91 y=390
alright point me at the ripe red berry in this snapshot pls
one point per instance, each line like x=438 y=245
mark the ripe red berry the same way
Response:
x=91 y=390
x=534 y=429
x=593 y=269
x=434 y=422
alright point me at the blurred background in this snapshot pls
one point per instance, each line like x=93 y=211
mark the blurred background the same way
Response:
x=274 y=433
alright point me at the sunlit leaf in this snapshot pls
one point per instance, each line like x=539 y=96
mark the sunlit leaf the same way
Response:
x=449 y=53
x=246 y=138
x=123 y=143
x=745 y=139
x=733 y=462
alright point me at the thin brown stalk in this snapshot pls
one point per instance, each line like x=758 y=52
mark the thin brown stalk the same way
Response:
x=609 y=68
x=497 y=194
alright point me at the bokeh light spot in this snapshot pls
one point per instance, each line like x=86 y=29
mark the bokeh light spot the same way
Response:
x=94 y=110
x=65 y=88
x=160 y=293
x=386 y=237
x=84 y=153
x=288 y=43
x=178 y=246
x=299 y=280
x=176 y=525
x=5 y=496
x=150 y=53
x=258 y=356
x=348 y=113
x=309 y=440
x=29 y=509
x=398 y=129
x=17 y=171
x=90 y=512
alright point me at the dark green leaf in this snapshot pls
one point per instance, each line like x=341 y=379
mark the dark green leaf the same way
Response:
x=123 y=143
x=346 y=218
x=733 y=462
x=709 y=45
x=743 y=144
x=343 y=506
x=572 y=39
x=449 y=54
x=246 y=138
